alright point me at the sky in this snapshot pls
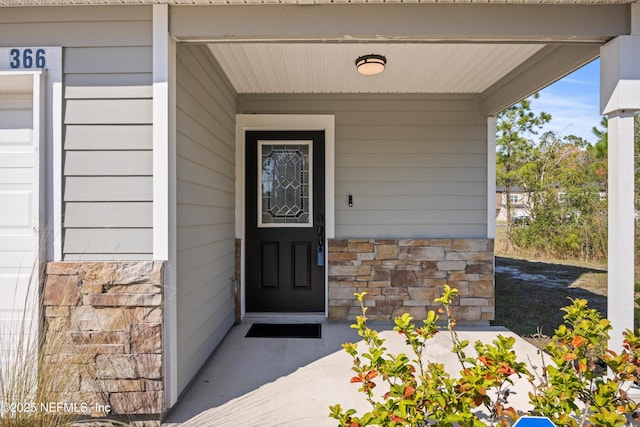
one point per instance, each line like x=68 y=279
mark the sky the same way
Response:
x=573 y=102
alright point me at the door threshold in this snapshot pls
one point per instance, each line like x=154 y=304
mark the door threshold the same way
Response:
x=266 y=317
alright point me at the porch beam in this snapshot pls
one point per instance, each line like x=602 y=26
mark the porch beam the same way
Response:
x=619 y=99
x=551 y=63
x=401 y=23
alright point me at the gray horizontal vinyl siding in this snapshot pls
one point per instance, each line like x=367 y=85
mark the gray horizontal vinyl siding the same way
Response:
x=107 y=118
x=416 y=165
x=205 y=212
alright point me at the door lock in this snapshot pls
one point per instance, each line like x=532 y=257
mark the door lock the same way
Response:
x=320 y=252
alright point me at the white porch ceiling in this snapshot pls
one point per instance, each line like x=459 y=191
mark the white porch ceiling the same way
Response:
x=330 y=67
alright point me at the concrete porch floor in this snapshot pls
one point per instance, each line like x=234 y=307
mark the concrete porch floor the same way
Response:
x=291 y=382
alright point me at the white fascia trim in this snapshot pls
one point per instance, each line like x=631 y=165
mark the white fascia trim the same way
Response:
x=164 y=187
x=491 y=177
x=323 y=122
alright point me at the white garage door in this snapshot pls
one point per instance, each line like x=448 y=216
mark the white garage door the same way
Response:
x=19 y=201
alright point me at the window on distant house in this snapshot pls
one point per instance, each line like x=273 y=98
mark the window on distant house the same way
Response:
x=514 y=198
x=562 y=197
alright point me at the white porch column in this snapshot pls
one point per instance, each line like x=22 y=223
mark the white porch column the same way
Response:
x=621 y=225
x=164 y=186
x=619 y=99
x=491 y=177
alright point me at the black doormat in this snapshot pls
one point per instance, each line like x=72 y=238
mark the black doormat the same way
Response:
x=285 y=330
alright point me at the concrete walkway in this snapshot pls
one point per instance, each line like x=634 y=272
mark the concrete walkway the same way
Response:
x=291 y=382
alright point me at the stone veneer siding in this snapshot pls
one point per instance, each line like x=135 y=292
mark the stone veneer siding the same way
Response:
x=109 y=315
x=406 y=275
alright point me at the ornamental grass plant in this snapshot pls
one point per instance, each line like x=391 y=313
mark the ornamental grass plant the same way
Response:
x=33 y=382
x=43 y=378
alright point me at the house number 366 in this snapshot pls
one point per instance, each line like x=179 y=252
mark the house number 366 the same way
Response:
x=28 y=58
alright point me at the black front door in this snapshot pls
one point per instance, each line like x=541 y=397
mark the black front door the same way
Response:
x=284 y=221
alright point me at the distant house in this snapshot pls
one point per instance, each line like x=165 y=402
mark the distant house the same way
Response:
x=521 y=204
x=197 y=163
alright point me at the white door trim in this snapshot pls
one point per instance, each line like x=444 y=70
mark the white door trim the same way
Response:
x=24 y=301
x=326 y=123
x=50 y=98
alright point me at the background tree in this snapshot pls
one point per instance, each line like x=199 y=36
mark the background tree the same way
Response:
x=514 y=148
x=600 y=149
x=568 y=211
x=566 y=178
x=600 y=153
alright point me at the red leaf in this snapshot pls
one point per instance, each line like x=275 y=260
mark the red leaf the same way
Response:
x=408 y=391
x=371 y=375
x=485 y=360
x=506 y=369
x=579 y=341
x=356 y=380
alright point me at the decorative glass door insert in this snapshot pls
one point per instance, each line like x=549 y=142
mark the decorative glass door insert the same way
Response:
x=285 y=181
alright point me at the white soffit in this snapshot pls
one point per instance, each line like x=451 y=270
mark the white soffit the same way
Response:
x=330 y=67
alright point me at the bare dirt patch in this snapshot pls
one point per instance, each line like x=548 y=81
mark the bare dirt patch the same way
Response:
x=530 y=294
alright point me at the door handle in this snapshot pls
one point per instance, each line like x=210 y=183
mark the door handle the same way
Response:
x=320 y=251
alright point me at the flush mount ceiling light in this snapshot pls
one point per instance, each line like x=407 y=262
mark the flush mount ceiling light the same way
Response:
x=370 y=65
